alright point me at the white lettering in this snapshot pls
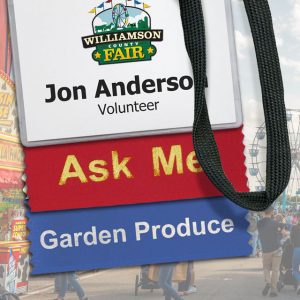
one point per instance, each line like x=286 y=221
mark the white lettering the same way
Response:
x=227 y=226
x=141 y=228
x=52 y=242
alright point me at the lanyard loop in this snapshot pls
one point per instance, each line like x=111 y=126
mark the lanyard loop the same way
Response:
x=278 y=147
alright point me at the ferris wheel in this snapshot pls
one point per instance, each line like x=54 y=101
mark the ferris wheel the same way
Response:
x=120 y=15
x=258 y=154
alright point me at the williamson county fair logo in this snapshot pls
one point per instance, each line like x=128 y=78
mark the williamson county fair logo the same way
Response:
x=122 y=33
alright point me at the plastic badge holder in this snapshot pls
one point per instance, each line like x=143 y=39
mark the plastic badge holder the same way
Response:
x=83 y=74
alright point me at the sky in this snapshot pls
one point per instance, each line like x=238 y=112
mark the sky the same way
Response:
x=286 y=19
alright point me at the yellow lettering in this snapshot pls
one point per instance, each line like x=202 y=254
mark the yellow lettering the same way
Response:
x=159 y=158
x=72 y=162
x=119 y=167
x=6 y=99
x=95 y=167
x=127 y=50
x=193 y=164
x=108 y=54
x=137 y=52
x=119 y=55
x=10 y=99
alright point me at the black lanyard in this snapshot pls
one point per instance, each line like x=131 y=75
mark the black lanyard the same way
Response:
x=278 y=147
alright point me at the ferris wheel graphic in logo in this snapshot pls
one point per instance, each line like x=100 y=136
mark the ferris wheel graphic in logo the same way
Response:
x=120 y=15
x=122 y=33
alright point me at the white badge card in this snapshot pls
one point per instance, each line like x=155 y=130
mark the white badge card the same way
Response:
x=92 y=70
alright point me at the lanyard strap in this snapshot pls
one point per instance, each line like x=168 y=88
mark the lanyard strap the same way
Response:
x=278 y=147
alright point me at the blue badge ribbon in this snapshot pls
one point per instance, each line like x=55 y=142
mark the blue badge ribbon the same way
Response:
x=137 y=235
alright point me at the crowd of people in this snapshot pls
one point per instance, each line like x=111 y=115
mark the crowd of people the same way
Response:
x=276 y=238
x=68 y=281
x=186 y=285
x=152 y=277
